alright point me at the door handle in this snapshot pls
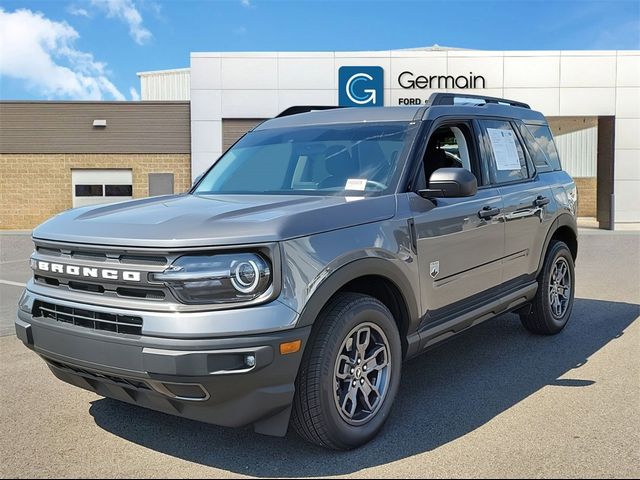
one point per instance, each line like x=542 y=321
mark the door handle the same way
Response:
x=488 y=212
x=541 y=201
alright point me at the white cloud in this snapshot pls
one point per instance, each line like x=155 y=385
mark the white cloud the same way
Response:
x=126 y=11
x=246 y=3
x=41 y=52
x=135 y=96
x=77 y=11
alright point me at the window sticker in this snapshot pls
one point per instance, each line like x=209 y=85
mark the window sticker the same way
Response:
x=358 y=184
x=504 y=148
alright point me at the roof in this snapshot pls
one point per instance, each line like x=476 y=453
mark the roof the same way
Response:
x=164 y=72
x=343 y=115
x=434 y=48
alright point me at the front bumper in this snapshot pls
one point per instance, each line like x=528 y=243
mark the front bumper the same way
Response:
x=231 y=381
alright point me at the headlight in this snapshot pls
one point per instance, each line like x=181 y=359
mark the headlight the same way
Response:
x=224 y=278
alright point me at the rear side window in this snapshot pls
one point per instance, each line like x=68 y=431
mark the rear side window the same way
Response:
x=543 y=151
x=509 y=162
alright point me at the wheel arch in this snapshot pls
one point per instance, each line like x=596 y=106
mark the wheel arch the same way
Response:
x=372 y=276
x=565 y=229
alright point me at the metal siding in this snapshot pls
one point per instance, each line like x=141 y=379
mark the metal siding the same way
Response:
x=67 y=127
x=166 y=85
x=233 y=129
x=577 y=141
x=579 y=152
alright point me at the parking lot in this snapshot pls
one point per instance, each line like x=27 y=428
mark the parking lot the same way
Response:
x=495 y=401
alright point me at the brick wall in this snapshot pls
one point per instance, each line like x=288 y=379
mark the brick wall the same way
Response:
x=34 y=187
x=587 y=196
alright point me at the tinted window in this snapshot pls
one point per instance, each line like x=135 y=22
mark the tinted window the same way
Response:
x=88 y=190
x=313 y=160
x=509 y=163
x=539 y=157
x=449 y=146
x=118 y=190
x=544 y=139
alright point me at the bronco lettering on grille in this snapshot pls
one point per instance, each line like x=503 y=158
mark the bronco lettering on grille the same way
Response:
x=88 y=272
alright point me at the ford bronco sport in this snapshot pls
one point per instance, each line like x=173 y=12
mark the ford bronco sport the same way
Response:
x=319 y=252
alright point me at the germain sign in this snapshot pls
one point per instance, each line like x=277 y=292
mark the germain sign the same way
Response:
x=409 y=81
x=363 y=86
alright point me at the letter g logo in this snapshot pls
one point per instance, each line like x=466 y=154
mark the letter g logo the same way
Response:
x=361 y=86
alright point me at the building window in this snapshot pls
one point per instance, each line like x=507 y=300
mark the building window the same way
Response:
x=97 y=185
x=118 y=190
x=88 y=190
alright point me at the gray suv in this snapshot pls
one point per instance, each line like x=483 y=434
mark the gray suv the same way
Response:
x=323 y=249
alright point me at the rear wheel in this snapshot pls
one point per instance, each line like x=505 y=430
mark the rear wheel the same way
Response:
x=349 y=375
x=552 y=305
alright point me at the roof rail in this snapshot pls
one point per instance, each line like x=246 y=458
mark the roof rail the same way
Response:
x=439 y=98
x=304 y=109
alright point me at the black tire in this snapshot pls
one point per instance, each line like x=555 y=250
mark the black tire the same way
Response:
x=316 y=415
x=543 y=318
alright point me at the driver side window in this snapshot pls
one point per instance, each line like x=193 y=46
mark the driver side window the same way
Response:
x=449 y=146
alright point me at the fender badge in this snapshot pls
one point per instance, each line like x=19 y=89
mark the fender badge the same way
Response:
x=434 y=269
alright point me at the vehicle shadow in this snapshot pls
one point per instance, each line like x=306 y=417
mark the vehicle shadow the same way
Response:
x=444 y=395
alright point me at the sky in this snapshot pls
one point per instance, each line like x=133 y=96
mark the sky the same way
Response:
x=92 y=49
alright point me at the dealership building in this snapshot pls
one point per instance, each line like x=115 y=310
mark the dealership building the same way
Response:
x=55 y=155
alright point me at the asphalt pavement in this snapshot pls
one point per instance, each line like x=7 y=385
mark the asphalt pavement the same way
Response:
x=493 y=402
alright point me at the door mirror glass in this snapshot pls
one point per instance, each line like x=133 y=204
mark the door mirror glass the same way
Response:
x=450 y=182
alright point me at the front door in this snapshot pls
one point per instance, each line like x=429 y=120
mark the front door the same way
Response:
x=460 y=241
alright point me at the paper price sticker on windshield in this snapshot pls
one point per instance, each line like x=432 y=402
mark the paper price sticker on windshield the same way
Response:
x=504 y=148
x=358 y=184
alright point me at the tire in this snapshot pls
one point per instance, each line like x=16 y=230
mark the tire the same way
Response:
x=317 y=415
x=549 y=315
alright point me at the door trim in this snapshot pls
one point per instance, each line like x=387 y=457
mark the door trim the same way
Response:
x=458 y=323
x=478 y=302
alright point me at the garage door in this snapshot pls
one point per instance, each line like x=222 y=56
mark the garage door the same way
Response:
x=96 y=185
x=233 y=129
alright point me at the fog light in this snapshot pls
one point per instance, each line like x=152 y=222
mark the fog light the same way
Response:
x=250 y=361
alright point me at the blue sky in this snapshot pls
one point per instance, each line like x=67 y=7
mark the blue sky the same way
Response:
x=92 y=49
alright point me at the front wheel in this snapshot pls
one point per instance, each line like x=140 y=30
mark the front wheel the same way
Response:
x=349 y=375
x=552 y=305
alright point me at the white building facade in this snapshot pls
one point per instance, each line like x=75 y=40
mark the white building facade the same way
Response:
x=592 y=99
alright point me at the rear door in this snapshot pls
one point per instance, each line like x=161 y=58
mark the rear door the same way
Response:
x=525 y=195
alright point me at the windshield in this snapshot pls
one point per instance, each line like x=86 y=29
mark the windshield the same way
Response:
x=316 y=160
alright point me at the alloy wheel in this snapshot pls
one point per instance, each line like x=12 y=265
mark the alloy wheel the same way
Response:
x=560 y=287
x=362 y=373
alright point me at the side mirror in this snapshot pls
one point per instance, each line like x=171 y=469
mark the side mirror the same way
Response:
x=450 y=182
x=198 y=178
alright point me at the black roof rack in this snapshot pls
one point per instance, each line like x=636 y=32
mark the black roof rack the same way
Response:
x=440 y=98
x=304 y=109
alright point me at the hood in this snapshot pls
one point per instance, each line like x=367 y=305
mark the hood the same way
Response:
x=188 y=220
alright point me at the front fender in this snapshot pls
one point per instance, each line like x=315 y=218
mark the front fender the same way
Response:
x=351 y=271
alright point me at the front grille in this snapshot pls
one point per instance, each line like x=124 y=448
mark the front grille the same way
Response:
x=125 y=324
x=100 y=257
x=95 y=258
